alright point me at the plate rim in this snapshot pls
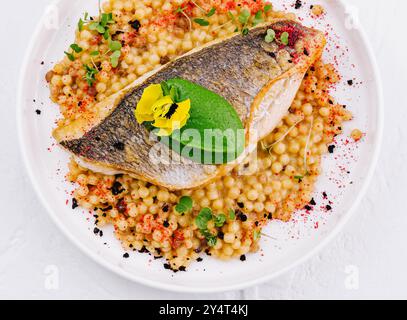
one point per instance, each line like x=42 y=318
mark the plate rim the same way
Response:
x=222 y=288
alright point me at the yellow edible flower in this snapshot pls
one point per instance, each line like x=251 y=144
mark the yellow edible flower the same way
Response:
x=162 y=111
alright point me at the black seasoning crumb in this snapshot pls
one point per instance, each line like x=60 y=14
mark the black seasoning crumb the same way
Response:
x=126 y=255
x=119 y=146
x=207 y=252
x=350 y=82
x=167 y=266
x=270 y=216
x=96 y=230
x=331 y=148
x=199 y=259
x=143 y=250
x=101 y=233
x=324 y=195
x=308 y=208
x=117 y=188
x=242 y=258
x=106 y=209
x=182 y=268
x=328 y=207
x=312 y=202
x=256 y=223
x=38 y=111
x=74 y=204
x=243 y=217
x=135 y=24
x=42 y=63
x=241 y=205
x=166 y=224
x=221 y=235
x=298 y=4
x=306 y=52
x=272 y=54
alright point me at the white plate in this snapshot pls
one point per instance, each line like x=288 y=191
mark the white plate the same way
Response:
x=292 y=242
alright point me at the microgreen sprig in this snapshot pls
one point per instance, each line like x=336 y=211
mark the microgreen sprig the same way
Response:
x=90 y=75
x=284 y=38
x=185 y=205
x=271 y=35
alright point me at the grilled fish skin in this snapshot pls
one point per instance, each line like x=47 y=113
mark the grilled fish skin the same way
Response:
x=259 y=79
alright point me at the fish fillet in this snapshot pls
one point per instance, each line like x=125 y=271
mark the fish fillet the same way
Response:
x=259 y=79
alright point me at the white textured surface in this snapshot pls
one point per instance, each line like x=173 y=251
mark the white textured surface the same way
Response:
x=373 y=242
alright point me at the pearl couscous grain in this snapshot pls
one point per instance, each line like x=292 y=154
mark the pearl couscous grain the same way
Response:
x=281 y=179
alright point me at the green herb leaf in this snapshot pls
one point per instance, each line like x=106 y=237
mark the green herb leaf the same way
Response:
x=115 y=45
x=70 y=56
x=90 y=75
x=220 y=220
x=244 y=16
x=76 y=48
x=106 y=35
x=232 y=214
x=95 y=53
x=258 y=18
x=209 y=237
x=284 y=38
x=299 y=178
x=271 y=35
x=202 y=22
x=267 y=8
x=211 y=12
x=93 y=26
x=81 y=23
x=114 y=58
x=245 y=31
x=185 y=205
x=175 y=94
x=204 y=216
x=211 y=240
x=231 y=16
x=101 y=29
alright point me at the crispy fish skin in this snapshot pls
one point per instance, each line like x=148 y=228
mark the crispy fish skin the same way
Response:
x=248 y=72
